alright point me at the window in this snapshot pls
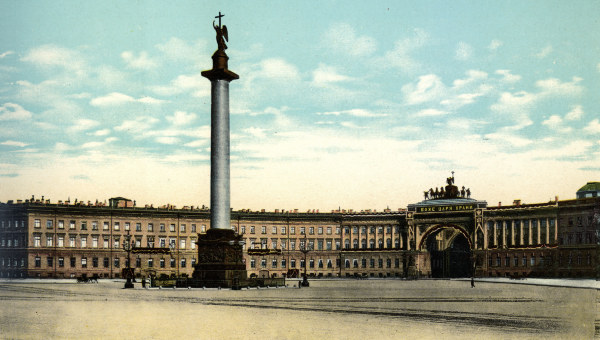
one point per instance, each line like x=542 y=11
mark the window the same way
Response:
x=183 y=263
x=388 y=263
x=94 y=241
x=37 y=240
x=105 y=226
x=49 y=224
x=138 y=227
x=380 y=263
x=328 y=243
x=138 y=262
x=83 y=225
x=117 y=225
x=162 y=228
x=84 y=262
x=49 y=240
x=61 y=241
x=182 y=228
x=83 y=242
x=162 y=242
x=320 y=244
x=274 y=243
x=105 y=242
x=38 y=261
x=117 y=243
x=320 y=264
x=172 y=227
x=37 y=223
x=320 y=230
x=95 y=225
x=516 y=261
x=532 y=260
x=274 y=230
x=302 y=230
x=355 y=263
x=105 y=262
x=293 y=263
x=203 y=229
x=161 y=263
x=311 y=230
x=372 y=230
x=371 y=263
x=252 y=263
x=251 y=229
x=311 y=263
x=274 y=263
x=193 y=262
x=283 y=230
x=173 y=264
x=193 y=243
x=95 y=262
x=524 y=261
x=338 y=244
x=116 y=262
x=263 y=263
x=263 y=230
x=193 y=228
x=151 y=262
x=61 y=262
x=293 y=244
x=138 y=242
x=329 y=263
x=72 y=241
x=182 y=243
x=150 y=227
x=127 y=226
x=292 y=230
x=61 y=224
x=50 y=261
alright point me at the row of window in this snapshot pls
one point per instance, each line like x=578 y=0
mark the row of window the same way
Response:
x=320 y=244
x=319 y=230
x=532 y=261
x=95 y=262
x=105 y=242
x=37 y=223
x=328 y=263
x=9 y=224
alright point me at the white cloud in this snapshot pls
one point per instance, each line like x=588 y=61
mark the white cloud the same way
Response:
x=593 y=127
x=400 y=56
x=140 y=124
x=181 y=118
x=14 y=143
x=11 y=111
x=196 y=84
x=167 y=140
x=83 y=124
x=98 y=144
x=431 y=113
x=544 y=52
x=116 y=98
x=278 y=69
x=464 y=51
x=325 y=74
x=555 y=122
x=428 y=88
x=5 y=54
x=102 y=132
x=197 y=143
x=575 y=114
x=353 y=112
x=505 y=136
x=343 y=39
x=495 y=44
x=553 y=86
x=256 y=132
x=142 y=61
x=52 y=56
x=508 y=77
x=516 y=106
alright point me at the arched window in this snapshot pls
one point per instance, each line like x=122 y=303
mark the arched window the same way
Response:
x=364 y=243
x=355 y=243
x=372 y=244
x=347 y=244
x=380 y=243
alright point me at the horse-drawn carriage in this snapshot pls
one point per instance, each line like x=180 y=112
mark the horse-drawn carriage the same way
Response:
x=84 y=279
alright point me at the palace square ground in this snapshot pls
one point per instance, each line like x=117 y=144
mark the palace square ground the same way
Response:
x=332 y=309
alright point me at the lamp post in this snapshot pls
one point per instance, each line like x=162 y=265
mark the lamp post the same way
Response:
x=127 y=246
x=304 y=251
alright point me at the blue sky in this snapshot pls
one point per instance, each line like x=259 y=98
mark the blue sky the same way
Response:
x=339 y=103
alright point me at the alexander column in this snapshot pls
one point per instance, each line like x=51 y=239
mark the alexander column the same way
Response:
x=220 y=258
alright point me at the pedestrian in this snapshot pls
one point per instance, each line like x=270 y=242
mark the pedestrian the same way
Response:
x=143 y=282
x=472 y=282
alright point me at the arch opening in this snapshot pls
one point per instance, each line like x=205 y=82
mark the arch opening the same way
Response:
x=450 y=254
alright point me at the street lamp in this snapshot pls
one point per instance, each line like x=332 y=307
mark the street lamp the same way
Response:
x=305 y=250
x=127 y=246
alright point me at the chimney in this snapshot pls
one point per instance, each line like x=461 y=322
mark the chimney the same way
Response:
x=517 y=202
x=499 y=204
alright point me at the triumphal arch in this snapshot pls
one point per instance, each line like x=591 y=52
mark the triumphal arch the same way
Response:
x=443 y=231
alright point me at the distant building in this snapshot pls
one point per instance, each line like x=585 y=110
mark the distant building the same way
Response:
x=591 y=189
x=442 y=237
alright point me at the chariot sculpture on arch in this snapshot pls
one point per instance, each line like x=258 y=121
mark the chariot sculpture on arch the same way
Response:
x=447 y=192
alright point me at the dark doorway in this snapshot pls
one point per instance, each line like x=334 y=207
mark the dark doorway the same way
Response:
x=453 y=261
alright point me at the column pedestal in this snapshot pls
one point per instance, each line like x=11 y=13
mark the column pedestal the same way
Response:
x=220 y=260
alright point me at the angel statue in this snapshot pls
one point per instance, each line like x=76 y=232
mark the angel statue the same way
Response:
x=221 y=36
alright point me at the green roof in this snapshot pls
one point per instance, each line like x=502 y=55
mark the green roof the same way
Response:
x=590 y=186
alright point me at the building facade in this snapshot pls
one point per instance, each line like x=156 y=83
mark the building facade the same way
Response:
x=444 y=237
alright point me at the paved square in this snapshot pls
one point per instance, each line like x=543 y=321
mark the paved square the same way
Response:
x=337 y=309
